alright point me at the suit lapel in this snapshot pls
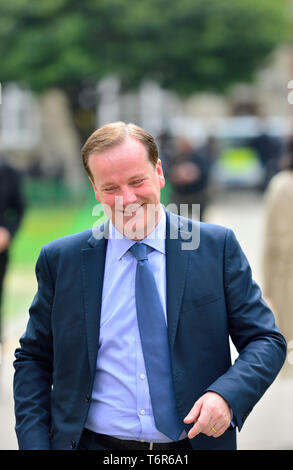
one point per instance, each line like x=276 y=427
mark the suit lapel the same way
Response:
x=176 y=269
x=93 y=265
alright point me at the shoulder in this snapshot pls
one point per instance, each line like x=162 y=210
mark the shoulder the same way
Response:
x=279 y=192
x=8 y=171
x=212 y=231
x=280 y=181
x=64 y=255
x=216 y=239
x=68 y=243
x=209 y=236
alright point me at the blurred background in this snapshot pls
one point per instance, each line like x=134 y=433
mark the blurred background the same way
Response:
x=211 y=80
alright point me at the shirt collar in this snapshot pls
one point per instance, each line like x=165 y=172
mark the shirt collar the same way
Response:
x=156 y=239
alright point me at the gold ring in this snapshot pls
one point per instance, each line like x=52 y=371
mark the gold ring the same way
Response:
x=213 y=429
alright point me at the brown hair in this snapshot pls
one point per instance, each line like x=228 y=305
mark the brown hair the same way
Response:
x=114 y=134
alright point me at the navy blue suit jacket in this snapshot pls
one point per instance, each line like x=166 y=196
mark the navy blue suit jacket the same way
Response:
x=210 y=296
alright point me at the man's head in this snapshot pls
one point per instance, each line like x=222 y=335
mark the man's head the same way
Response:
x=126 y=174
x=114 y=134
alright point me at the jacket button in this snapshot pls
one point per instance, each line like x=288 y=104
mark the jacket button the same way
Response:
x=88 y=398
x=72 y=444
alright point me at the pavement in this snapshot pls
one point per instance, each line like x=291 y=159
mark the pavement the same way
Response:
x=269 y=425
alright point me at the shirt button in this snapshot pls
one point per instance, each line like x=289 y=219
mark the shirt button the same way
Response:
x=142 y=412
x=142 y=376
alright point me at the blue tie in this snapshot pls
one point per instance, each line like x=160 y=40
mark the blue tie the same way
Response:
x=154 y=340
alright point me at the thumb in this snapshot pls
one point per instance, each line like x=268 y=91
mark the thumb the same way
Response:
x=194 y=412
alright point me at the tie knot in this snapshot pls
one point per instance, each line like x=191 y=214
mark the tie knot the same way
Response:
x=139 y=251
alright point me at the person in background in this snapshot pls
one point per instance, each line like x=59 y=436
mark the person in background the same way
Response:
x=11 y=213
x=278 y=249
x=165 y=142
x=269 y=150
x=188 y=174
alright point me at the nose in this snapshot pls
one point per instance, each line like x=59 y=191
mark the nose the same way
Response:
x=128 y=195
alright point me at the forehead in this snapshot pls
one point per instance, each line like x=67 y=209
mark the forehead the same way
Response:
x=129 y=152
x=128 y=147
x=122 y=162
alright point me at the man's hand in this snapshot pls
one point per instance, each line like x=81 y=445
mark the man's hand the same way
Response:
x=5 y=239
x=211 y=415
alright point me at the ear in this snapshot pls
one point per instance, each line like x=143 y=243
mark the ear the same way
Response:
x=95 y=190
x=160 y=174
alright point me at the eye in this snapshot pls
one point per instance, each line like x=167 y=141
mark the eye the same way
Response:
x=137 y=182
x=109 y=190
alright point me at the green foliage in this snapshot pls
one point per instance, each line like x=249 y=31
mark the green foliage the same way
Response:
x=187 y=45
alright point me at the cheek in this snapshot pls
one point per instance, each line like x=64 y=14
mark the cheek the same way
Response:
x=108 y=203
x=149 y=191
x=105 y=198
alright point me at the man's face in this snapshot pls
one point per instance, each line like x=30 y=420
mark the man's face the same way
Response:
x=128 y=186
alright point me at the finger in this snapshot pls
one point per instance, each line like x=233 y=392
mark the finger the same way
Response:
x=213 y=431
x=217 y=430
x=218 y=426
x=207 y=424
x=203 y=424
x=193 y=413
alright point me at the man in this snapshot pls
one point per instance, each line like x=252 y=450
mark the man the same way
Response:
x=11 y=212
x=127 y=346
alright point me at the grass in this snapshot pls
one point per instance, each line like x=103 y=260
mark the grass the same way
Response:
x=39 y=226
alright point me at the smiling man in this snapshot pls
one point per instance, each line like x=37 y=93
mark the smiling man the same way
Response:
x=127 y=178
x=127 y=345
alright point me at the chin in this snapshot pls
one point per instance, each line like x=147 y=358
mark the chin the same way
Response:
x=135 y=231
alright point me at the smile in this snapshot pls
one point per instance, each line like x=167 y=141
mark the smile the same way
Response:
x=130 y=212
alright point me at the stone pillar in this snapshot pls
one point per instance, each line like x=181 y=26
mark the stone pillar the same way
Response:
x=151 y=98
x=108 y=108
x=60 y=144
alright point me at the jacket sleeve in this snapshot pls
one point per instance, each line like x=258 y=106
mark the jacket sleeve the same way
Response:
x=261 y=347
x=33 y=367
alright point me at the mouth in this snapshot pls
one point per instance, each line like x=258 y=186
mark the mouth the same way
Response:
x=131 y=211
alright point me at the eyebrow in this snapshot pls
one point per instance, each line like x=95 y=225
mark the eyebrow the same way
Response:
x=137 y=177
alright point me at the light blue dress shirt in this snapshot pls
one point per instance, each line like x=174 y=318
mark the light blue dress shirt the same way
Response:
x=121 y=404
